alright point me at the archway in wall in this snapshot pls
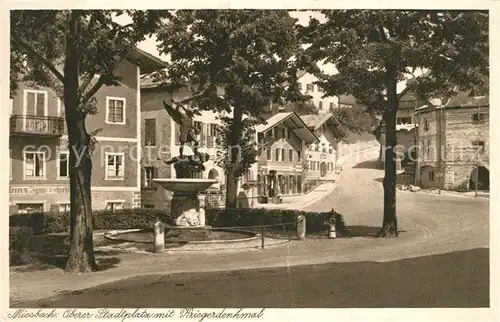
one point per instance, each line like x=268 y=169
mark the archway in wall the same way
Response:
x=213 y=174
x=480 y=176
x=428 y=178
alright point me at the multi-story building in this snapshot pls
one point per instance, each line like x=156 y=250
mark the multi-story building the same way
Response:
x=307 y=87
x=405 y=129
x=322 y=155
x=39 y=171
x=453 y=138
x=280 y=167
x=160 y=141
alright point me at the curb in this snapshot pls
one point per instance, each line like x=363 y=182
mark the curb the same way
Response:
x=447 y=194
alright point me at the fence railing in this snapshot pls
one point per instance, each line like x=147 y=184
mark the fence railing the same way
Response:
x=300 y=223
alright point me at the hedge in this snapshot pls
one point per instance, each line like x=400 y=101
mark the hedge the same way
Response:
x=54 y=222
x=19 y=240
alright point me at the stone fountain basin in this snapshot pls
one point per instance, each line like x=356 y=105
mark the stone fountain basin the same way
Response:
x=185 y=185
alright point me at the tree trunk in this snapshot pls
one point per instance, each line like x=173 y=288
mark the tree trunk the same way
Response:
x=231 y=175
x=390 y=222
x=81 y=253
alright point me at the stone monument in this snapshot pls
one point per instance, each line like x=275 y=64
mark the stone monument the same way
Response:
x=187 y=205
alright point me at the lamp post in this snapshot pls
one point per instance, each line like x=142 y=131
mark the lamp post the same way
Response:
x=440 y=176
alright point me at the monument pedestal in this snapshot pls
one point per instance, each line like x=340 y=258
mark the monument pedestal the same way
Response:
x=189 y=211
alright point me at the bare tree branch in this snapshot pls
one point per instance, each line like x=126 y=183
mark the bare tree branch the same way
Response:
x=102 y=80
x=448 y=15
x=39 y=57
x=87 y=82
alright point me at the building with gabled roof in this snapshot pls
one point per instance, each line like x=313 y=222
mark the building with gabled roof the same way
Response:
x=322 y=155
x=453 y=143
x=282 y=142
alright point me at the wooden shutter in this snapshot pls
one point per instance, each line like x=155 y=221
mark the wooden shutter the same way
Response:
x=210 y=136
x=203 y=135
x=40 y=104
x=30 y=103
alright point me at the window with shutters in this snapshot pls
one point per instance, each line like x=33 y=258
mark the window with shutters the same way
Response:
x=114 y=166
x=35 y=102
x=331 y=105
x=310 y=87
x=150 y=173
x=150 y=132
x=290 y=155
x=115 y=110
x=299 y=155
x=277 y=155
x=34 y=165
x=204 y=135
x=212 y=135
x=282 y=155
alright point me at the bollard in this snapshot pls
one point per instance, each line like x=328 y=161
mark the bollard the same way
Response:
x=331 y=227
x=301 y=227
x=159 y=233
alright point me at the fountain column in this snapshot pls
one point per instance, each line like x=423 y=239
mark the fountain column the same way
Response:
x=201 y=215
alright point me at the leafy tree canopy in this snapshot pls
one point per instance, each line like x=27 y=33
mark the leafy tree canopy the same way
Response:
x=363 y=43
x=234 y=58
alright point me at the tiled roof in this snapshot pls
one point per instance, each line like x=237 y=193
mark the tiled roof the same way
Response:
x=298 y=126
x=272 y=121
x=314 y=121
x=463 y=99
x=301 y=73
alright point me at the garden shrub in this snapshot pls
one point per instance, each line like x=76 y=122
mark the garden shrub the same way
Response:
x=51 y=222
x=130 y=219
x=19 y=240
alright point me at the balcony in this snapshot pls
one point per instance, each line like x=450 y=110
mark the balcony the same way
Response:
x=32 y=125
